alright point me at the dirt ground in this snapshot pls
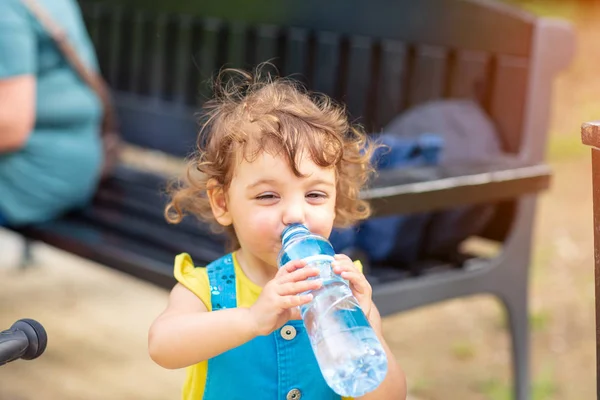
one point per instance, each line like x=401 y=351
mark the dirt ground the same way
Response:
x=98 y=318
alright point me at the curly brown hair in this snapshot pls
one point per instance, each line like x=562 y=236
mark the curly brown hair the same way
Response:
x=252 y=113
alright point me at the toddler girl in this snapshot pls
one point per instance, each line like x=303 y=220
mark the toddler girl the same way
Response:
x=269 y=155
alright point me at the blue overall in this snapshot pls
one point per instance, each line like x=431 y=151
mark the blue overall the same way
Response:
x=278 y=366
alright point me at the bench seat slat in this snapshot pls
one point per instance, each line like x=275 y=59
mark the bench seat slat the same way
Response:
x=101 y=245
x=410 y=190
x=126 y=250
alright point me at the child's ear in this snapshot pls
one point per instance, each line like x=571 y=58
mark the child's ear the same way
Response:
x=218 y=202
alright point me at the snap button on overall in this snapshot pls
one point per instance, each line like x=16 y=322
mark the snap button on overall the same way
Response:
x=294 y=394
x=288 y=332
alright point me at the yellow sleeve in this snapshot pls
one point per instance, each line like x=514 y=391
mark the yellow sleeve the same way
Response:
x=193 y=278
x=358 y=265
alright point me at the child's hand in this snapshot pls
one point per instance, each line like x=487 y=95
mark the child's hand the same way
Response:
x=361 y=288
x=280 y=298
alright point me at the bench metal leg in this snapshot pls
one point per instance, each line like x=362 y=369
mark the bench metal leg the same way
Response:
x=518 y=318
x=27 y=254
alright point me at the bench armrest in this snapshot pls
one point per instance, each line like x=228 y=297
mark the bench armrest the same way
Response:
x=421 y=189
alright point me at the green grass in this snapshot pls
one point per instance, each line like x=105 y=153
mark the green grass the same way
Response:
x=543 y=387
x=420 y=386
x=565 y=148
x=494 y=389
x=463 y=350
x=539 y=320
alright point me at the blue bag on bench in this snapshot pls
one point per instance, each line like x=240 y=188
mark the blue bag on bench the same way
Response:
x=377 y=237
x=462 y=133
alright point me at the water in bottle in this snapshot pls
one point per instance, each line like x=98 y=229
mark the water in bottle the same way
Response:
x=349 y=354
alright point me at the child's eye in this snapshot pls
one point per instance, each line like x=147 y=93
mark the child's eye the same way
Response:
x=316 y=195
x=266 y=196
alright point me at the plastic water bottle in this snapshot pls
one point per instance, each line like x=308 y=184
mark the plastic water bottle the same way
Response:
x=349 y=354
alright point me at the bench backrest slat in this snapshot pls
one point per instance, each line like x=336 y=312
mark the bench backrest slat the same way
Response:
x=469 y=73
x=392 y=83
x=508 y=98
x=429 y=70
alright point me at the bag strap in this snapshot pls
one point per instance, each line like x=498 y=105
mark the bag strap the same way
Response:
x=92 y=79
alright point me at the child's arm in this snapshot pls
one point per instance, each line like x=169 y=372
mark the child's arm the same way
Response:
x=186 y=333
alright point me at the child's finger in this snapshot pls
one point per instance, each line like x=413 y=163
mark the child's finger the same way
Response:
x=342 y=257
x=291 y=288
x=291 y=266
x=295 y=300
x=295 y=313
x=343 y=265
x=358 y=281
x=298 y=275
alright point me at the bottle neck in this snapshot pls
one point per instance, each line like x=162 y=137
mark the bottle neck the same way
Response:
x=294 y=231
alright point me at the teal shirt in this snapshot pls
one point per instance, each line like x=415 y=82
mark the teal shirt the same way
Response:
x=58 y=168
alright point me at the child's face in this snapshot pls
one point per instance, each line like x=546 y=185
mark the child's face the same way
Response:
x=265 y=196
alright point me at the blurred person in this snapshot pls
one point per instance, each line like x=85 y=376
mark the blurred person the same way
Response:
x=50 y=147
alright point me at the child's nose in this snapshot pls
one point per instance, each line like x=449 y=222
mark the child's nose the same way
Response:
x=293 y=214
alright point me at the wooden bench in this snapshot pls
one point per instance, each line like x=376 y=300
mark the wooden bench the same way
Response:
x=379 y=58
x=590 y=136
